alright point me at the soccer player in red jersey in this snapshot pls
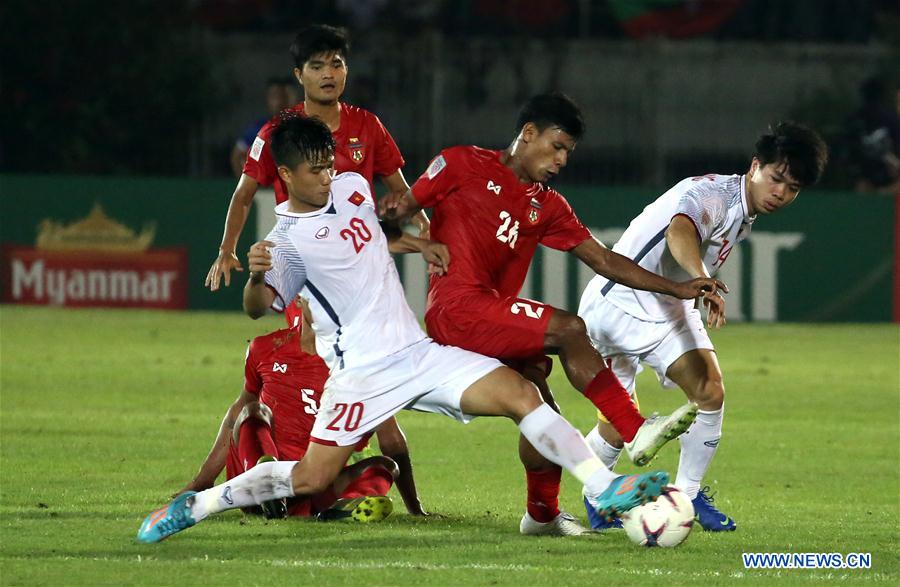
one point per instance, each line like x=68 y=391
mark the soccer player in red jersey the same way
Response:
x=492 y=209
x=363 y=145
x=274 y=415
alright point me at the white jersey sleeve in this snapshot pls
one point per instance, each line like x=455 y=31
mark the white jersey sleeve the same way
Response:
x=704 y=205
x=288 y=273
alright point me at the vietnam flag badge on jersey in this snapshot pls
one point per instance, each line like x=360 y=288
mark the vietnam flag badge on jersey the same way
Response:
x=356 y=199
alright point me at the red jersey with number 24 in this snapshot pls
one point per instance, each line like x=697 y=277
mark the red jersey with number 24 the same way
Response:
x=491 y=222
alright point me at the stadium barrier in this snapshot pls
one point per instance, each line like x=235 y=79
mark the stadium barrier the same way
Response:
x=78 y=241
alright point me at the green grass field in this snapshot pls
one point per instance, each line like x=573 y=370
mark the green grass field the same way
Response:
x=104 y=413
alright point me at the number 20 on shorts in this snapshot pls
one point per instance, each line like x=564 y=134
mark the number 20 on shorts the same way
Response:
x=348 y=418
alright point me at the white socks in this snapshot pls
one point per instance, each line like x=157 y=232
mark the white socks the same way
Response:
x=559 y=442
x=604 y=450
x=698 y=446
x=264 y=482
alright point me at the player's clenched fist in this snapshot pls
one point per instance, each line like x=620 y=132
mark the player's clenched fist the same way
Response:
x=259 y=258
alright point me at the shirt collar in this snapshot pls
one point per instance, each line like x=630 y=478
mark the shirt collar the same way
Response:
x=747 y=218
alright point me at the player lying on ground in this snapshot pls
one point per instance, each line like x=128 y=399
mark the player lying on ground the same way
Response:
x=328 y=244
x=362 y=144
x=274 y=415
x=689 y=232
x=492 y=209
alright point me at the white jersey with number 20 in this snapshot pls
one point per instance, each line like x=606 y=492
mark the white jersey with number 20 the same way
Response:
x=337 y=258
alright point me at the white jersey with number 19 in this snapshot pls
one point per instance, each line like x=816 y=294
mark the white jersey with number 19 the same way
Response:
x=337 y=257
x=716 y=204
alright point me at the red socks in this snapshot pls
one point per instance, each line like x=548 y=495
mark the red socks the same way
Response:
x=543 y=494
x=254 y=441
x=613 y=401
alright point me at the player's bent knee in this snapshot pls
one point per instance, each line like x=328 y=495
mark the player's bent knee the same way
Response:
x=255 y=410
x=525 y=400
x=711 y=394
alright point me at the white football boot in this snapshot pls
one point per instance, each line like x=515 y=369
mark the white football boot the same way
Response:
x=657 y=431
x=564 y=524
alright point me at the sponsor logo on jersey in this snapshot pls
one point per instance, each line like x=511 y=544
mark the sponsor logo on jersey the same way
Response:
x=356 y=199
x=256 y=149
x=322 y=233
x=437 y=165
x=279 y=367
x=357 y=150
x=535 y=204
x=493 y=187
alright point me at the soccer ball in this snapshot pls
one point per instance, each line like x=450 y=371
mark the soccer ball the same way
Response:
x=665 y=522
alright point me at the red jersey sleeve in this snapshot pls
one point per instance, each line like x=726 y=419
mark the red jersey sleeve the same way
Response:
x=387 y=156
x=252 y=379
x=439 y=180
x=565 y=231
x=259 y=164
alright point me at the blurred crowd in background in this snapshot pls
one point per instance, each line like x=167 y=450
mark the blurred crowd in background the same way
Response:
x=670 y=87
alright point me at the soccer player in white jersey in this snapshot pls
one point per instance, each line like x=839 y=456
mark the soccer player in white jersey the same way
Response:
x=329 y=246
x=687 y=233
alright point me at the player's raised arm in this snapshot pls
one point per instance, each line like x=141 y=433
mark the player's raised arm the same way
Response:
x=257 y=296
x=238 y=210
x=215 y=460
x=623 y=270
x=684 y=244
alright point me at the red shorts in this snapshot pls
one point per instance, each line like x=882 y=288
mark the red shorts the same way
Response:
x=373 y=481
x=484 y=323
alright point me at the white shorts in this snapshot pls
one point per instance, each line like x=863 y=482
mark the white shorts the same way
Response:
x=626 y=341
x=426 y=377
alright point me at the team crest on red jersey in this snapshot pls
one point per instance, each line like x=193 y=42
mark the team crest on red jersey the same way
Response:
x=356 y=199
x=534 y=216
x=357 y=150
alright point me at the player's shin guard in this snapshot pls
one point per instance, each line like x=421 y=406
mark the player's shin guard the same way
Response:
x=607 y=394
x=263 y=482
x=698 y=447
x=559 y=442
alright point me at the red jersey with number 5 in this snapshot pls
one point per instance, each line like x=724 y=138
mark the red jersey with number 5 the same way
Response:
x=362 y=145
x=290 y=382
x=491 y=221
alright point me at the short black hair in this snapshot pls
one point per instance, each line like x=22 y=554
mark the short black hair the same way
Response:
x=798 y=147
x=299 y=138
x=554 y=109
x=319 y=38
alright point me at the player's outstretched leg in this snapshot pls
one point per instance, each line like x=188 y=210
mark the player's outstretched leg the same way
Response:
x=504 y=393
x=168 y=520
x=657 y=430
x=627 y=492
